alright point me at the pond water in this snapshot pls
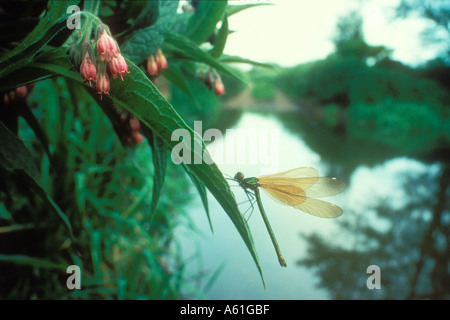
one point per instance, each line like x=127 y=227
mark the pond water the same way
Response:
x=270 y=148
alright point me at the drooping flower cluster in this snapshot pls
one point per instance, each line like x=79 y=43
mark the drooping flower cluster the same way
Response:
x=135 y=135
x=17 y=94
x=156 y=62
x=93 y=68
x=213 y=81
x=130 y=127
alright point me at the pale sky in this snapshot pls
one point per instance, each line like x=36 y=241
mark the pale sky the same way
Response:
x=290 y=32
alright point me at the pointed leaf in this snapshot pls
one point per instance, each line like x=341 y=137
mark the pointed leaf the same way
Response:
x=202 y=192
x=237 y=59
x=147 y=16
x=51 y=24
x=29 y=117
x=187 y=49
x=159 y=151
x=221 y=39
x=145 y=41
x=31 y=261
x=15 y=159
x=203 y=23
x=232 y=9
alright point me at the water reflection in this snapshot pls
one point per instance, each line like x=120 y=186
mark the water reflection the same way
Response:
x=395 y=216
x=395 y=225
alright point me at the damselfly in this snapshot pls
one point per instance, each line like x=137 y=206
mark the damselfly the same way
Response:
x=296 y=188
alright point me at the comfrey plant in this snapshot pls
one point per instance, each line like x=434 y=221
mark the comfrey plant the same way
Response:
x=95 y=64
x=62 y=166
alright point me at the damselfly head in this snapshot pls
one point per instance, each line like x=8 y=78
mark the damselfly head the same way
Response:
x=239 y=176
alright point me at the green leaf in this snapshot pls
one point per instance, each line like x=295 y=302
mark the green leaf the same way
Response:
x=201 y=191
x=31 y=261
x=187 y=49
x=147 y=15
x=184 y=77
x=232 y=9
x=29 y=117
x=51 y=24
x=176 y=76
x=14 y=155
x=237 y=59
x=203 y=23
x=159 y=151
x=16 y=160
x=14 y=227
x=221 y=39
x=145 y=41
x=22 y=77
x=53 y=62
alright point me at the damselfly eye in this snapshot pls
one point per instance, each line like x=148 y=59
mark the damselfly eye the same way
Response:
x=239 y=176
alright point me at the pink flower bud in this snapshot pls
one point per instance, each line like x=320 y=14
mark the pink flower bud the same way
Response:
x=106 y=46
x=87 y=69
x=152 y=67
x=21 y=91
x=161 y=60
x=118 y=66
x=134 y=124
x=219 y=88
x=102 y=84
x=137 y=137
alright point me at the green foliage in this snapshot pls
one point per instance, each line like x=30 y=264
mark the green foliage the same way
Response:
x=203 y=104
x=203 y=22
x=113 y=205
x=308 y=82
x=367 y=98
x=16 y=165
x=396 y=108
x=263 y=91
x=359 y=108
x=264 y=83
x=331 y=115
x=405 y=126
x=53 y=22
x=348 y=29
x=144 y=41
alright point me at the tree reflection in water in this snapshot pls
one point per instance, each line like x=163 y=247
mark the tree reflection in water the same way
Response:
x=412 y=252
